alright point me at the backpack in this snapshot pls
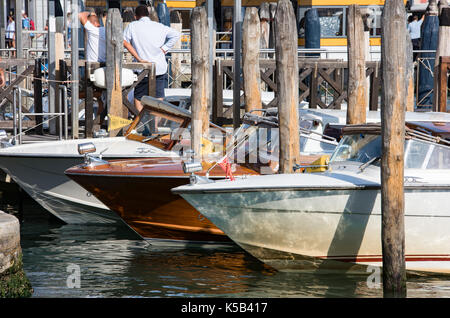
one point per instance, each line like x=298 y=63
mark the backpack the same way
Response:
x=32 y=24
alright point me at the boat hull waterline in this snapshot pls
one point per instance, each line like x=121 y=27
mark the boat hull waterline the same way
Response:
x=325 y=230
x=165 y=218
x=42 y=176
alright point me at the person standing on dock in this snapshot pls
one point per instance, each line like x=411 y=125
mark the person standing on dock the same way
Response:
x=10 y=30
x=414 y=32
x=149 y=41
x=95 y=50
x=96 y=38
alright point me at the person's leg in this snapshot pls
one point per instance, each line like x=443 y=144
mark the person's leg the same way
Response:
x=161 y=81
x=140 y=90
x=138 y=105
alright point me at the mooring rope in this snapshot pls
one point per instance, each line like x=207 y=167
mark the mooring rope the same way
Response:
x=42 y=79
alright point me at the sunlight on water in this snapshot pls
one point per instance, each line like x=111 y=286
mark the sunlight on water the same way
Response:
x=113 y=262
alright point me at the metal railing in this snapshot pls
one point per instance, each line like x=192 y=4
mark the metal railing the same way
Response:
x=18 y=115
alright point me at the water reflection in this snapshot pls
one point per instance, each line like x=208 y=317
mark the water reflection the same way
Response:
x=114 y=263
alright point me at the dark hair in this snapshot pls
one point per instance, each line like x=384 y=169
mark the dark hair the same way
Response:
x=141 y=11
x=128 y=15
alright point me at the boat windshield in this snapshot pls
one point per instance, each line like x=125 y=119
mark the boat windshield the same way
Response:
x=359 y=148
x=419 y=154
x=426 y=155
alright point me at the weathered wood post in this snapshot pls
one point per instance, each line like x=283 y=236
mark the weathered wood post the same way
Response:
x=250 y=59
x=357 y=85
x=393 y=136
x=273 y=10
x=200 y=76
x=37 y=86
x=176 y=23
x=152 y=13
x=264 y=22
x=237 y=45
x=59 y=56
x=75 y=71
x=88 y=102
x=18 y=30
x=2 y=25
x=409 y=74
x=287 y=85
x=114 y=52
x=264 y=16
x=367 y=22
x=443 y=49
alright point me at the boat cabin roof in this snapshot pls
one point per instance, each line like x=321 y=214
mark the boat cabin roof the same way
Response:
x=439 y=130
x=162 y=106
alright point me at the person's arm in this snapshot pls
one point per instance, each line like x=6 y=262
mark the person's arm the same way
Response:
x=83 y=16
x=132 y=51
x=2 y=77
x=172 y=37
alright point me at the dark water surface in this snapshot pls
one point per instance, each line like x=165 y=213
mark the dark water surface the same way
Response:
x=113 y=262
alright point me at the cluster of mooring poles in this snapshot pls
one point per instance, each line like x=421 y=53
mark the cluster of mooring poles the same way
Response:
x=397 y=87
x=397 y=97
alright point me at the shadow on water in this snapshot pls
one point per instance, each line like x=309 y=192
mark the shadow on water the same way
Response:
x=113 y=263
x=348 y=237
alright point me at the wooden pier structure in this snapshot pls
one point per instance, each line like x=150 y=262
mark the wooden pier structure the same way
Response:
x=323 y=83
x=360 y=84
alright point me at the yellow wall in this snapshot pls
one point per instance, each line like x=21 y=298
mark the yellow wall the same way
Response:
x=180 y=4
x=339 y=3
x=308 y=3
x=339 y=41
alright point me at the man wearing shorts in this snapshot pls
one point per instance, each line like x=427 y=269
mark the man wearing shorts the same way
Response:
x=149 y=41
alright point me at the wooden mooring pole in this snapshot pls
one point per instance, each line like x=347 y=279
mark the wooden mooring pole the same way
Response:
x=200 y=79
x=114 y=52
x=287 y=85
x=357 y=84
x=393 y=136
x=176 y=23
x=250 y=59
x=75 y=87
x=237 y=45
x=440 y=70
x=37 y=86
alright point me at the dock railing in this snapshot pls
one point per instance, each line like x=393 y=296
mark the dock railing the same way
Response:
x=18 y=115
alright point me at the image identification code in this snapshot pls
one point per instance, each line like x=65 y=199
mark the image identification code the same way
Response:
x=232 y=307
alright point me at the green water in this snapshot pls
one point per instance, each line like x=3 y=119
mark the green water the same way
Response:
x=113 y=262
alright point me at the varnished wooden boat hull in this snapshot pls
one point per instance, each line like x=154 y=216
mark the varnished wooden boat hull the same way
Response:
x=147 y=205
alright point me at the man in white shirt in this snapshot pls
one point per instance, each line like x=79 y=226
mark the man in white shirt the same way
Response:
x=95 y=51
x=96 y=38
x=149 y=41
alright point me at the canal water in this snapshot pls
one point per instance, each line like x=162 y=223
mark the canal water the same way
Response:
x=110 y=261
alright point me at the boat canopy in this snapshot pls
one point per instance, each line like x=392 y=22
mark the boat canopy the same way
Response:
x=438 y=132
x=362 y=144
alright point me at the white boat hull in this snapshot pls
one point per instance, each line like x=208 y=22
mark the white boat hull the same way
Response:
x=39 y=170
x=327 y=230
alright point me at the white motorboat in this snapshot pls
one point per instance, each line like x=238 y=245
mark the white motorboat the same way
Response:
x=331 y=221
x=38 y=168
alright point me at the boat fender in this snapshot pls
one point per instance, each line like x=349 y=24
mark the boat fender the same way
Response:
x=99 y=77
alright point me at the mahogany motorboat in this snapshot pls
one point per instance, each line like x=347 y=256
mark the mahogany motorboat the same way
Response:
x=138 y=190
